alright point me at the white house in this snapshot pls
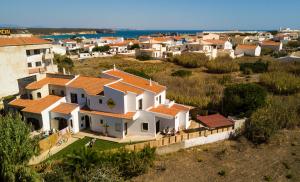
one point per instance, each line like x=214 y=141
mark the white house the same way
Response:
x=118 y=104
x=218 y=44
x=248 y=50
x=276 y=46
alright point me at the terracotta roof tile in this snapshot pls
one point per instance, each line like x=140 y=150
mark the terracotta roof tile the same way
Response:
x=136 y=81
x=48 y=80
x=172 y=111
x=246 y=46
x=128 y=115
x=35 y=106
x=214 y=41
x=92 y=85
x=19 y=41
x=272 y=43
x=123 y=87
x=215 y=121
x=64 y=108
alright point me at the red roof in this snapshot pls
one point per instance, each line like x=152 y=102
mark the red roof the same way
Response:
x=215 y=121
x=20 y=41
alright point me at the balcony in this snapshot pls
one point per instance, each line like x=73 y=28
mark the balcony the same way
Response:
x=35 y=58
x=48 y=56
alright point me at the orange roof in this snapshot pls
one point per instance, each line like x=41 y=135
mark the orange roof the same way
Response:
x=35 y=106
x=246 y=46
x=215 y=121
x=128 y=115
x=123 y=87
x=64 y=108
x=268 y=42
x=109 y=38
x=161 y=39
x=48 y=80
x=92 y=85
x=136 y=81
x=214 y=41
x=68 y=40
x=172 y=111
x=119 y=44
x=19 y=41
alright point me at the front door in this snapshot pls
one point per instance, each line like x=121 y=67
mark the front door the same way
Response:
x=126 y=127
x=87 y=121
x=157 y=126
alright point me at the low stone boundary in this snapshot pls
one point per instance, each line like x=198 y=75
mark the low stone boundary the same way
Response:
x=186 y=139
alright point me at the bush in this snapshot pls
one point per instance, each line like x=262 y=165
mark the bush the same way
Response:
x=256 y=67
x=280 y=82
x=182 y=73
x=266 y=51
x=243 y=99
x=190 y=60
x=63 y=62
x=134 y=46
x=105 y=48
x=279 y=54
x=143 y=57
x=293 y=44
x=278 y=113
x=222 y=65
x=137 y=73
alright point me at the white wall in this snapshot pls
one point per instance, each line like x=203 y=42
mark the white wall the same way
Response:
x=135 y=127
x=81 y=100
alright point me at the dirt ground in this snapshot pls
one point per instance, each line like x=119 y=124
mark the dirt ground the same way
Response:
x=232 y=161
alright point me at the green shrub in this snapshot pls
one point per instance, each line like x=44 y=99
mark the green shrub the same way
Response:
x=137 y=73
x=278 y=54
x=256 y=67
x=243 y=99
x=143 y=57
x=190 y=60
x=182 y=73
x=222 y=173
x=222 y=65
x=278 y=113
x=266 y=51
x=105 y=48
x=280 y=82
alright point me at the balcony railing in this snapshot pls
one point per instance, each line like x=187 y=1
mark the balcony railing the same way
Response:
x=35 y=58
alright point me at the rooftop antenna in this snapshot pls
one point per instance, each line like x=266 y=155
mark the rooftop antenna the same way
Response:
x=150 y=82
x=114 y=67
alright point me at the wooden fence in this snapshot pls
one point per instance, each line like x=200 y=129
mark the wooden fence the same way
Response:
x=174 y=139
x=51 y=141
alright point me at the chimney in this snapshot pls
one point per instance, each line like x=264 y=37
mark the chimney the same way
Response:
x=150 y=82
x=114 y=67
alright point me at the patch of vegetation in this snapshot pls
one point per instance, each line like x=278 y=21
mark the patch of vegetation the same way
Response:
x=280 y=82
x=63 y=62
x=243 y=99
x=182 y=73
x=293 y=44
x=137 y=73
x=222 y=173
x=256 y=67
x=222 y=65
x=133 y=47
x=266 y=51
x=144 y=57
x=289 y=176
x=190 y=60
x=278 y=113
x=105 y=48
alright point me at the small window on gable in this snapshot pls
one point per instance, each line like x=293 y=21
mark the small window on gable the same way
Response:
x=62 y=92
x=82 y=118
x=101 y=121
x=82 y=95
x=100 y=101
x=53 y=92
x=38 y=95
x=144 y=126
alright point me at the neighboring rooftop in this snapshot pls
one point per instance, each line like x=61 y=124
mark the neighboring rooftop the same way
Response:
x=65 y=108
x=92 y=85
x=271 y=43
x=128 y=115
x=246 y=46
x=20 y=41
x=123 y=87
x=215 y=121
x=136 y=81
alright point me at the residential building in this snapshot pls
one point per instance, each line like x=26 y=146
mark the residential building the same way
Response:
x=218 y=44
x=275 y=46
x=117 y=104
x=23 y=59
x=248 y=50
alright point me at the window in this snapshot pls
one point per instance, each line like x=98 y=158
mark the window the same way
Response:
x=38 y=95
x=82 y=95
x=118 y=126
x=30 y=96
x=53 y=92
x=36 y=51
x=62 y=92
x=160 y=99
x=101 y=121
x=140 y=104
x=100 y=101
x=39 y=63
x=144 y=126
x=28 y=52
x=71 y=122
x=29 y=65
x=74 y=98
x=82 y=118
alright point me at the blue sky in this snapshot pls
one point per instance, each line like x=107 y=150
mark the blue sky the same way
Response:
x=153 y=14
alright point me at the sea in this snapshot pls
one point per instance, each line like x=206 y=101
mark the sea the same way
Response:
x=130 y=33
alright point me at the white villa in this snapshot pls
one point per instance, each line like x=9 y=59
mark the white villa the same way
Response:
x=117 y=104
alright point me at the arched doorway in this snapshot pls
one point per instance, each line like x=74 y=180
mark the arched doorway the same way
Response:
x=87 y=121
x=34 y=123
x=62 y=123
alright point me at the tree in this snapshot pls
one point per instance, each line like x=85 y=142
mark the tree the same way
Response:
x=266 y=51
x=63 y=62
x=105 y=48
x=134 y=46
x=243 y=99
x=16 y=149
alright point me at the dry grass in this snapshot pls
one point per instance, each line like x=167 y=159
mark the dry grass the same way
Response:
x=240 y=160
